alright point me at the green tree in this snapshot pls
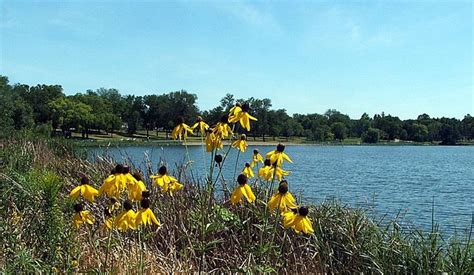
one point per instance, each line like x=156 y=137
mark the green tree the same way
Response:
x=468 y=127
x=39 y=97
x=434 y=128
x=339 y=130
x=68 y=113
x=362 y=125
x=390 y=126
x=404 y=134
x=449 y=134
x=420 y=132
x=213 y=116
x=292 y=128
x=372 y=135
x=103 y=117
x=227 y=102
x=260 y=109
x=6 y=105
x=115 y=99
x=16 y=112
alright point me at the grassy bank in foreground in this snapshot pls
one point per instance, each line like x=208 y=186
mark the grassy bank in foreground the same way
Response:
x=198 y=232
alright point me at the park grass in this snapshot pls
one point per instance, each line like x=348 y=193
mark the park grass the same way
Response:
x=159 y=138
x=199 y=232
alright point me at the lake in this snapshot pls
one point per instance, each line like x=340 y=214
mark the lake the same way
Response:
x=387 y=180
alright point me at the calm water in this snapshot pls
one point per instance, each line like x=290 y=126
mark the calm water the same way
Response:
x=386 y=179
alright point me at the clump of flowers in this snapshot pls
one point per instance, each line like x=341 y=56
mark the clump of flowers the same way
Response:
x=129 y=205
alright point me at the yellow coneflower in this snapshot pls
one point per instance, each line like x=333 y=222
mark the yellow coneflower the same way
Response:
x=181 y=130
x=262 y=172
x=145 y=216
x=276 y=171
x=222 y=128
x=256 y=158
x=201 y=125
x=248 y=171
x=213 y=141
x=85 y=190
x=173 y=187
x=114 y=184
x=126 y=219
x=241 y=144
x=136 y=188
x=277 y=156
x=243 y=116
x=237 y=108
x=121 y=178
x=166 y=182
x=243 y=190
x=109 y=186
x=114 y=204
x=298 y=220
x=82 y=216
x=282 y=199
x=109 y=220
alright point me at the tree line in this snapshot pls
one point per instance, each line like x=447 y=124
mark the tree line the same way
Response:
x=47 y=108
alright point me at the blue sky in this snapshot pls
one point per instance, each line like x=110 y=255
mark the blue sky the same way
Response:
x=401 y=57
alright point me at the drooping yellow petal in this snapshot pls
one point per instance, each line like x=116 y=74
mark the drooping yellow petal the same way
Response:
x=286 y=157
x=307 y=226
x=174 y=186
x=126 y=220
x=76 y=192
x=176 y=133
x=297 y=224
x=255 y=159
x=236 y=195
x=146 y=217
x=83 y=217
x=288 y=218
x=108 y=224
x=90 y=192
x=234 y=111
x=248 y=172
x=284 y=201
x=248 y=193
x=109 y=186
x=251 y=117
x=201 y=125
x=135 y=190
x=274 y=201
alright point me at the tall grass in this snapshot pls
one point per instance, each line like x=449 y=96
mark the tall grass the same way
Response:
x=199 y=231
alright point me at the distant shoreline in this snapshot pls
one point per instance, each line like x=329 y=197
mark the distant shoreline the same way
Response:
x=131 y=142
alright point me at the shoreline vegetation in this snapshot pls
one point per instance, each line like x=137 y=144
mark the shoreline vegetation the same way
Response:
x=101 y=112
x=38 y=235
